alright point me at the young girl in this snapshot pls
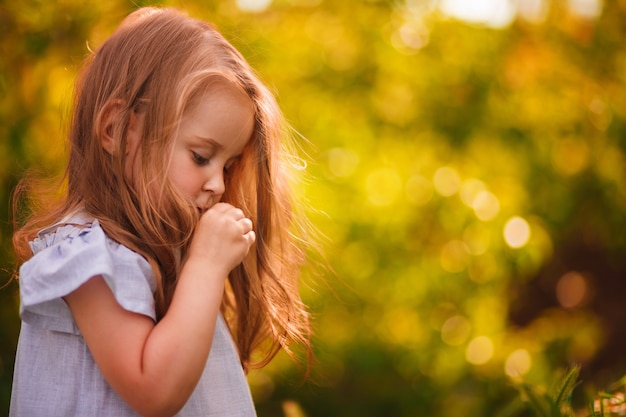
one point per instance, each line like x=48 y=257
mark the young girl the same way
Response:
x=172 y=254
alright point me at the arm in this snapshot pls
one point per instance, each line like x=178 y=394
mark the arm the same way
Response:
x=155 y=368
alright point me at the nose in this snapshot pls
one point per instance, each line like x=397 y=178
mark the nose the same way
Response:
x=215 y=183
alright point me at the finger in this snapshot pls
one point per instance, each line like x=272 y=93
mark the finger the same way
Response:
x=250 y=237
x=238 y=213
x=221 y=207
x=246 y=224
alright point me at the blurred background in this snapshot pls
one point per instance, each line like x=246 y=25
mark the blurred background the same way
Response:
x=466 y=165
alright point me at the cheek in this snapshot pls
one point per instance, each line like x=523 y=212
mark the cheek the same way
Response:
x=185 y=181
x=177 y=180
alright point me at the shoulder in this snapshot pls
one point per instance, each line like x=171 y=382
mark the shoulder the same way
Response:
x=82 y=245
x=67 y=255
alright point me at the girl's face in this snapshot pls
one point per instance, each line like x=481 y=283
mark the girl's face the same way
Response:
x=211 y=138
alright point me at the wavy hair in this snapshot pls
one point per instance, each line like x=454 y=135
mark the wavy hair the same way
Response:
x=159 y=61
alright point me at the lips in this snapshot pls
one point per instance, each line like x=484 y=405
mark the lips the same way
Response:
x=204 y=207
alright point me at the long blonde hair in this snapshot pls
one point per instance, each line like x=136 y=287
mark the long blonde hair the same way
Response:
x=158 y=62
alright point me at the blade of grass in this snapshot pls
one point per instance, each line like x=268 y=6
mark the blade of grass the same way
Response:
x=566 y=385
x=539 y=404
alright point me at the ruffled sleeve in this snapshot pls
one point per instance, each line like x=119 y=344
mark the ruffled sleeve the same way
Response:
x=67 y=257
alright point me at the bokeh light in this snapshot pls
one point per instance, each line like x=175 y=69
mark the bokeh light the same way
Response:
x=494 y=13
x=447 y=181
x=486 y=205
x=479 y=351
x=456 y=330
x=454 y=256
x=571 y=290
x=253 y=5
x=516 y=232
x=419 y=190
x=342 y=162
x=470 y=190
x=586 y=8
x=518 y=363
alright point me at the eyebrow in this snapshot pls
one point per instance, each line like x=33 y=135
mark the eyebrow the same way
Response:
x=209 y=141
x=216 y=145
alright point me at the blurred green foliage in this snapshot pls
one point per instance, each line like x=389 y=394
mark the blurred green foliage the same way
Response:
x=470 y=180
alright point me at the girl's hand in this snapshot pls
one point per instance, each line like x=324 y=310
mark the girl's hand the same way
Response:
x=155 y=367
x=222 y=237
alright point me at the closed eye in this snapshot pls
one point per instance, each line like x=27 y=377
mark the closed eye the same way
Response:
x=199 y=159
x=231 y=163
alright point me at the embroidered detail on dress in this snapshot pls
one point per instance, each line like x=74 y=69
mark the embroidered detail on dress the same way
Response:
x=59 y=232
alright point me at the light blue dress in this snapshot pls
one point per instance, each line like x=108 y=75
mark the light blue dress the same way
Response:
x=55 y=374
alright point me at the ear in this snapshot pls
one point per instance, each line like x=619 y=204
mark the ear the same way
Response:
x=106 y=126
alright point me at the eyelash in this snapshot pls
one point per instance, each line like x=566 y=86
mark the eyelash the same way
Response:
x=199 y=159
x=202 y=161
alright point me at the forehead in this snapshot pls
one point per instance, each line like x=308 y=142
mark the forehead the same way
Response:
x=222 y=114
